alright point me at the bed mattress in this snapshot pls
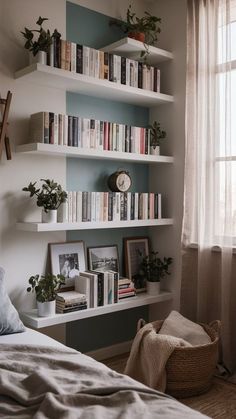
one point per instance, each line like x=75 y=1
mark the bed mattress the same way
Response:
x=30 y=337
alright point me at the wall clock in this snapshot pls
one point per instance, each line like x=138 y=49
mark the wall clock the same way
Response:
x=119 y=181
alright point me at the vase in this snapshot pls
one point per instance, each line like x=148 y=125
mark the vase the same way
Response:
x=46 y=309
x=155 y=150
x=62 y=213
x=49 y=217
x=139 y=36
x=39 y=58
x=153 y=288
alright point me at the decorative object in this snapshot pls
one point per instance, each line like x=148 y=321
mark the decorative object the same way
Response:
x=119 y=181
x=154 y=269
x=68 y=259
x=40 y=46
x=9 y=318
x=134 y=248
x=144 y=29
x=50 y=197
x=156 y=134
x=46 y=287
x=103 y=258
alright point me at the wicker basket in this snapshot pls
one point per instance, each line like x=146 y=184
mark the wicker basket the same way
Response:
x=190 y=370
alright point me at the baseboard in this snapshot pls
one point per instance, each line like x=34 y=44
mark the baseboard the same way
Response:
x=110 y=351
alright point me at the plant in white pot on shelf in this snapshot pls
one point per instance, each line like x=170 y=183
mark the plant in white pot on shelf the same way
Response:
x=39 y=47
x=154 y=269
x=45 y=288
x=156 y=135
x=50 y=196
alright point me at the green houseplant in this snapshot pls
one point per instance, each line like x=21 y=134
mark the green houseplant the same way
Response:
x=45 y=288
x=50 y=196
x=42 y=43
x=154 y=269
x=156 y=135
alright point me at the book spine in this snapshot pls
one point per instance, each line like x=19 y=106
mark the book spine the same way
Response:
x=60 y=129
x=79 y=207
x=106 y=66
x=73 y=57
x=75 y=131
x=68 y=56
x=79 y=59
x=100 y=292
x=63 y=54
x=55 y=128
x=101 y=64
x=65 y=130
x=123 y=70
x=86 y=55
x=140 y=75
x=111 y=67
x=70 y=130
x=51 y=128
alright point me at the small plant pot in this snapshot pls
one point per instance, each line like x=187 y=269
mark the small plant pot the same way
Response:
x=46 y=309
x=153 y=288
x=40 y=58
x=139 y=36
x=155 y=151
x=62 y=213
x=49 y=217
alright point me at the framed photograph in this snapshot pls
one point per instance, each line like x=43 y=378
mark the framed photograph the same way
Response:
x=103 y=258
x=135 y=248
x=68 y=259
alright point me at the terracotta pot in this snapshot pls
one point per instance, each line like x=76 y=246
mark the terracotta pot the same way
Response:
x=139 y=36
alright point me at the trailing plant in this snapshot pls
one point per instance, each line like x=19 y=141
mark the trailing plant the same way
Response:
x=155 y=268
x=148 y=25
x=45 y=286
x=44 y=40
x=50 y=196
x=156 y=134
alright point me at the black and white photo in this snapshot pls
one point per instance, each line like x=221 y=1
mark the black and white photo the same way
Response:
x=103 y=258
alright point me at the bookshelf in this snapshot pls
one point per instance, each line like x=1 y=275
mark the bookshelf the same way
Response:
x=31 y=318
x=79 y=83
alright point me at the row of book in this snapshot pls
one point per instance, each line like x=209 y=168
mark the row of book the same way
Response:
x=103 y=65
x=126 y=288
x=70 y=301
x=52 y=128
x=110 y=206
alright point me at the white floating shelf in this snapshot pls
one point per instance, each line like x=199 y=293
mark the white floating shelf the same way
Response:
x=31 y=319
x=67 y=151
x=128 y=47
x=79 y=83
x=89 y=225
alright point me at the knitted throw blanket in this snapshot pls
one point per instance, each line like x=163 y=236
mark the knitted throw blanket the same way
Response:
x=149 y=355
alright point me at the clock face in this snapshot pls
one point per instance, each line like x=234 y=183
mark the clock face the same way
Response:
x=123 y=182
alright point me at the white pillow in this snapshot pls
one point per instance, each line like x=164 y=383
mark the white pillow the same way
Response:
x=180 y=327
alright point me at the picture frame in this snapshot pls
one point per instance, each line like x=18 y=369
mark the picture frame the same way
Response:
x=68 y=259
x=134 y=248
x=103 y=258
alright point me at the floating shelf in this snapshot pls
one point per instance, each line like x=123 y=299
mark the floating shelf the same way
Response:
x=79 y=83
x=128 y=47
x=31 y=319
x=67 y=151
x=40 y=227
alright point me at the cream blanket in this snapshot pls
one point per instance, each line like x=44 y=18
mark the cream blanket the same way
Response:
x=50 y=383
x=149 y=355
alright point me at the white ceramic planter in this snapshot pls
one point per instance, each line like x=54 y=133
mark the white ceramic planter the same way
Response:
x=46 y=309
x=153 y=288
x=155 y=151
x=40 y=58
x=49 y=217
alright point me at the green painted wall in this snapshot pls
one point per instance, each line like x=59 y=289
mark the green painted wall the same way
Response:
x=90 y=28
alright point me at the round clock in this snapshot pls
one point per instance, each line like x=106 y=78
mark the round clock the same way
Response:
x=119 y=181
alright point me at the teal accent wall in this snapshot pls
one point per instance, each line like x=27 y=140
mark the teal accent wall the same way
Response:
x=90 y=28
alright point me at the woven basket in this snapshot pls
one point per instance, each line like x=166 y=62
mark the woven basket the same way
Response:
x=190 y=370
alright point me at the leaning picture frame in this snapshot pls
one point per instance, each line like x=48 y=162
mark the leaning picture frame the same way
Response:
x=68 y=259
x=103 y=258
x=135 y=248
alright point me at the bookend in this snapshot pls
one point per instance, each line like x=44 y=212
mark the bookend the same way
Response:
x=4 y=139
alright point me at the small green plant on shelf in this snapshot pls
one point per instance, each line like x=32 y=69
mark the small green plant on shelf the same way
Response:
x=154 y=268
x=44 y=40
x=156 y=134
x=45 y=286
x=50 y=196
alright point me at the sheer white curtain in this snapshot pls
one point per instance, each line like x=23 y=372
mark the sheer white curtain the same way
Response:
x=209 y=224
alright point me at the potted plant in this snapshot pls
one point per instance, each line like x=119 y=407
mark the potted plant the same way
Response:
x=50 y=197
x=154 y=269
x=40 y=46
x=46 y=287
x=156 y=134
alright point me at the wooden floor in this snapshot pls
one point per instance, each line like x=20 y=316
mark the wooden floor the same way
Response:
x=218 y=403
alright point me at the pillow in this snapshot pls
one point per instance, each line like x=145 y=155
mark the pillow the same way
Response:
x=180 y=327
x=9 y=318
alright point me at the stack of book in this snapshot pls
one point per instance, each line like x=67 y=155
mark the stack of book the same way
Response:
x=126 y=288
x=103 y=65
x=70 y=301
x=85 y=133
x=111 y=206
x=100 y=288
